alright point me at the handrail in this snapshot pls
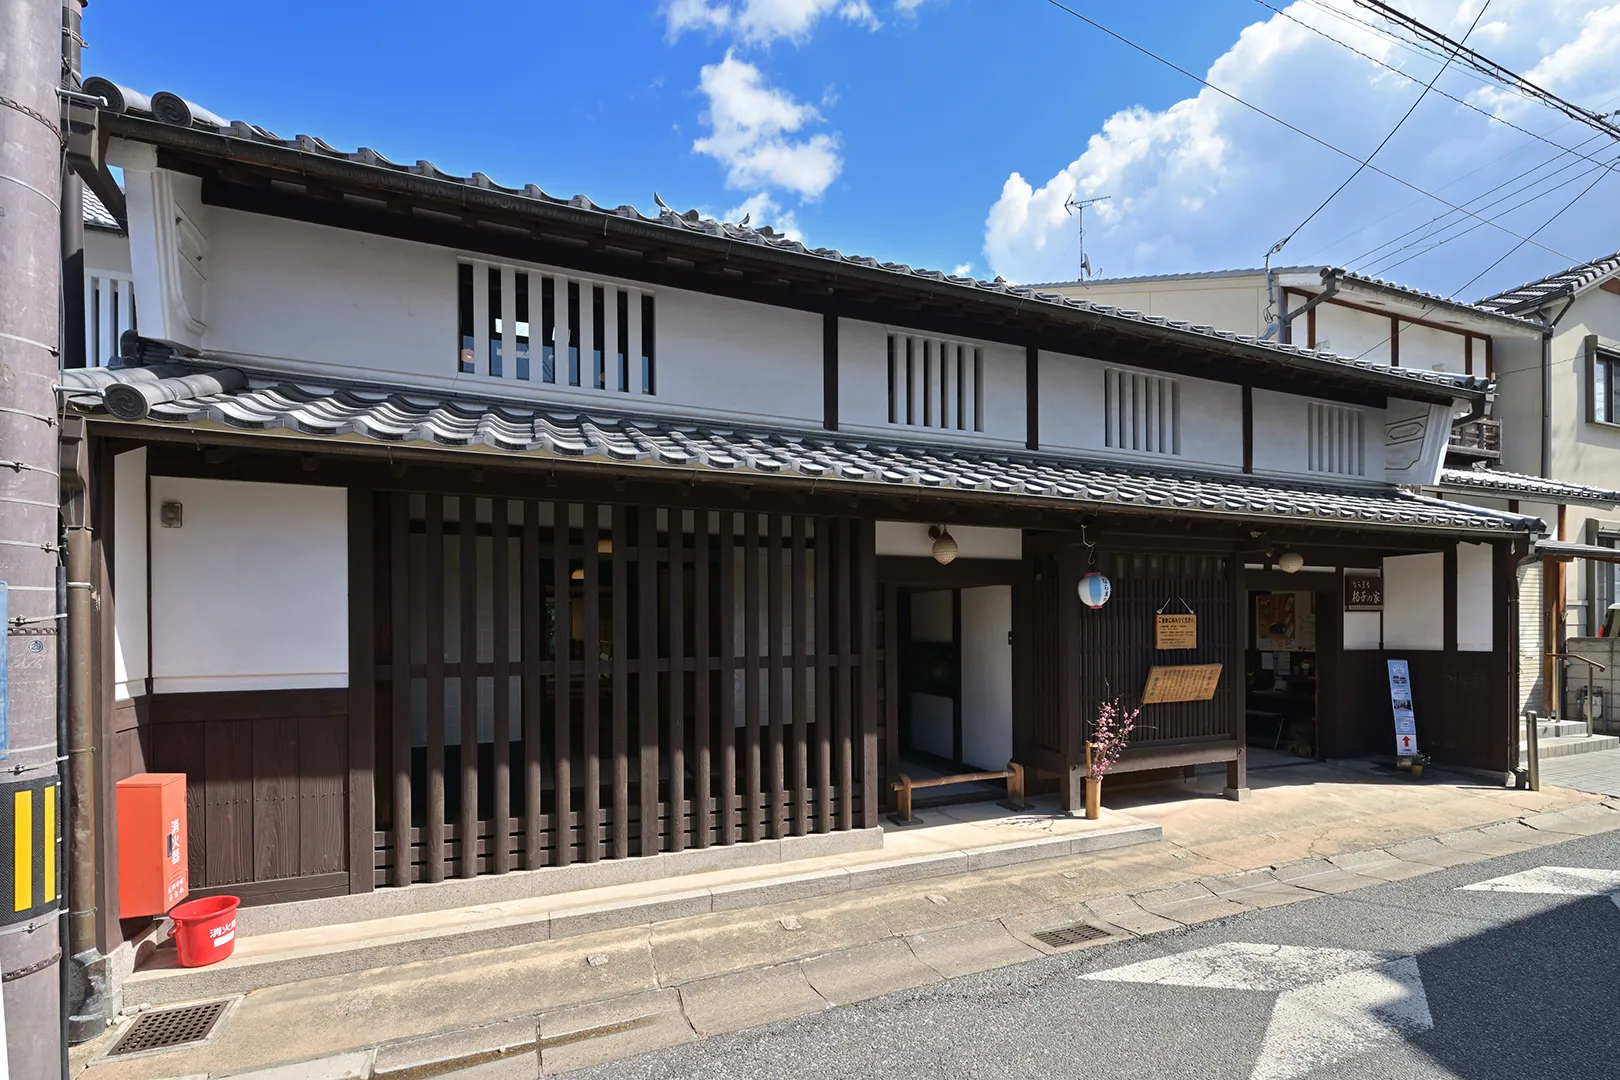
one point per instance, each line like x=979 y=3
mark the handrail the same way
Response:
x=1592 y=666
x=1582 y=659
x=1013 y=774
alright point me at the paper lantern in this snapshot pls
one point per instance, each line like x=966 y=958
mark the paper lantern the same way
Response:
x=1290 y=562
x=1095 y=590
x=945 y=547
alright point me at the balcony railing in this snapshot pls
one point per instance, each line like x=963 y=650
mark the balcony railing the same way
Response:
x=1480 y=438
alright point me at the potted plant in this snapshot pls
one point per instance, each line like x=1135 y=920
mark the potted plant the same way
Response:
x=1110 y=734
x=1418 y=761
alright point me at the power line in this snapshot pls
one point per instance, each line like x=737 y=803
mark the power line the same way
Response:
x=1291 y=127
x=1487 y=66
x=1510 y=251
x=1413 y=78
x=1357 y=171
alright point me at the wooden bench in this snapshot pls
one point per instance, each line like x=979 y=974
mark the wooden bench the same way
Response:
x=1013 y=774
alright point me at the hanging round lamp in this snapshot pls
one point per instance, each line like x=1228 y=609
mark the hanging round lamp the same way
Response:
x=1290 y=562
x=945 y=548
x=1095 y=589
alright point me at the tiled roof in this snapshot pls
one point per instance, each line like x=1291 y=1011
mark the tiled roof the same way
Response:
x=1430 y=299
x=171 y=110
x=96 y=213
x=1520 y=486
x=391 y=418
x=1532 y=294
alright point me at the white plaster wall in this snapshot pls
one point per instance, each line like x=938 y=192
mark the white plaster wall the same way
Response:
x=329 y=302
x=987 y=740
x=106 y=251
x=1072 y=413
x=863 y=384
x=252 y=591
x=130 y=641
x=908 y=539
x=1414 y=601
x=1437 y=350
x=1282 y=437
x=1475 y=598
x=933 y=718
x=1345 y=331
x=1233 y=303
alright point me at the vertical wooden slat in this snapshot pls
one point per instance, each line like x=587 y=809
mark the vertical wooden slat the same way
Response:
x=467 y=562
x=891 y=686
x=562 y=689
x=1069 y=736
x=824 y=710
x=842 y=596
x=362 y=802
x=621 y=683
x=534 y=612
x=728 y=678
x=799 y=623
x=590 y=811
x=677 y=673
x=752 y=810
x=776 y=767
x=702 y=718
x=500 y=822
x=399 y=577
x=273 y=780
x=867 y=599
x=648 y=842
x=433 y=853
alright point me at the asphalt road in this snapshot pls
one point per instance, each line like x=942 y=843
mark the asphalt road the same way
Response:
x=1420 y=978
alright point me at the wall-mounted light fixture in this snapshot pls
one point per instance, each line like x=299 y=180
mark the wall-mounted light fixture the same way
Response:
x=945 y=548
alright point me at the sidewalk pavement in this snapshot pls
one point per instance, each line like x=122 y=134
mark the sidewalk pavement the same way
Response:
x=553 y=1006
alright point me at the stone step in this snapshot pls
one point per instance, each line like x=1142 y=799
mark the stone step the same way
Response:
x=1565 y=745
x=1554 y=729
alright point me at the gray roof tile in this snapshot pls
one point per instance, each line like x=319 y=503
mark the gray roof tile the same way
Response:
x=1511 y=485
x=383 y=416
x=1532 y=294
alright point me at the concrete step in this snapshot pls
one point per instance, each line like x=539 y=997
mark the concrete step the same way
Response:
x=1565 y=745
x=1557 y=729
x=973 y=840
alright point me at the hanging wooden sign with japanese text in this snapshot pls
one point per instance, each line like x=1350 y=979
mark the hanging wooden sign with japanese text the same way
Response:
x=1175 y=631
x=1182 y=682
x=1363 y=590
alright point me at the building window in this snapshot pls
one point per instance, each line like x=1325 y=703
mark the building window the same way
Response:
x=1605 y=387
x=1141 y=412
x=1337 y=440
x=109 y=312
x=592 y=336
x=935 y=384
x=1605 y=582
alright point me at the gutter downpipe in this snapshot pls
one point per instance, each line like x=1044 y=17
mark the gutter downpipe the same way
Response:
x=1546 y=385
x=1285 y=319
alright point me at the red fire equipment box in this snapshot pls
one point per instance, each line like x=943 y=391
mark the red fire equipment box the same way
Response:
x=151 y=843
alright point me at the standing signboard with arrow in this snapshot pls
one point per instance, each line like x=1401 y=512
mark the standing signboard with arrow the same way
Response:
x=1400 y=700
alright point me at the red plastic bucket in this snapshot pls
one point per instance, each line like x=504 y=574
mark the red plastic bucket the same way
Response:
x=204 y=930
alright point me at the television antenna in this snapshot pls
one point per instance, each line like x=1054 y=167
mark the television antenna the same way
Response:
x=1077 y=209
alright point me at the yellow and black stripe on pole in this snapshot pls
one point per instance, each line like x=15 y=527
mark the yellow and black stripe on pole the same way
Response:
x=29 y=849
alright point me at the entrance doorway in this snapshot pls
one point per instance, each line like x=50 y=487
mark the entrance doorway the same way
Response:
x=955 y=687
x=1291 y=643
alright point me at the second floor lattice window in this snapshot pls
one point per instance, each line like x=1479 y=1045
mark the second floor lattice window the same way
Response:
x=935 y=383
x=1141 y=412
x=551 y=329
x=1337 y=440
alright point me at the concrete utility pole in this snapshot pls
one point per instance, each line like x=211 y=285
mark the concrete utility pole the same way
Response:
x=30 y=313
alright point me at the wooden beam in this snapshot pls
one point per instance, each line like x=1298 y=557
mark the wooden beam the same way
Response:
x=649 y=828
x=1032 y=397
x=829 y=371
x=500 y=824
x=676 y=693
x=1248 y=428
x=590 y=691
x=433 y=856
x=620 y=671
x=467 y=561
x=399 y=615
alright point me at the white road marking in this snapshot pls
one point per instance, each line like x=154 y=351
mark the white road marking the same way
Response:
x=1556 y=881
x=1332 y=1004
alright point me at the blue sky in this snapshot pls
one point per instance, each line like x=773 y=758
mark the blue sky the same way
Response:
x=943 y=133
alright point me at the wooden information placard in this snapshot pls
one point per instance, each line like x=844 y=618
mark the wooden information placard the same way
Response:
x=1175 y=632
x=1185 y=682
x=1363 y=590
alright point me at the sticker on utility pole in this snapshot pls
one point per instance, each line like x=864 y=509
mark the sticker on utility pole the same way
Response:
x=5 y=672
x=1400 y=701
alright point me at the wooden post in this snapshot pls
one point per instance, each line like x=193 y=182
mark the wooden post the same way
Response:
x=500 y=823
x=1237 y=770
x=467 y=561
x=400 y=682
x=1070 y=776
x=433 y=848
x=362 y=688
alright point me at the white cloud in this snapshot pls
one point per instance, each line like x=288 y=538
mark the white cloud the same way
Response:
x=1206 y=183
x=760 y=210
x=963 y=270
x=760 y=22
x=753 y=128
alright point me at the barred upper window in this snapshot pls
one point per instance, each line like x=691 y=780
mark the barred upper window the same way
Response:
x=551 y=329
x=1337 y=440
x=1141 y=412
x=935 y=383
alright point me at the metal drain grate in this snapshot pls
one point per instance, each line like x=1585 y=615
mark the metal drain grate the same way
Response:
x=1070 y=935
x=162 y=1029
